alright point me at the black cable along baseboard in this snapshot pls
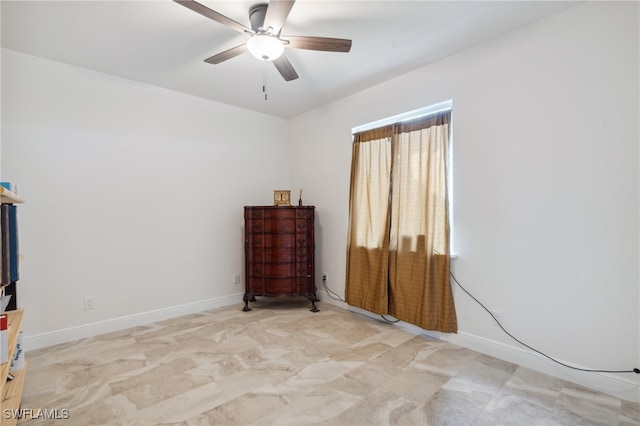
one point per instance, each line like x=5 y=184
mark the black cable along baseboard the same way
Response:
x=636 y=370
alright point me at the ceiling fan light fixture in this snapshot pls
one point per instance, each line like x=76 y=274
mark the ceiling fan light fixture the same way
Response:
x=265 y=47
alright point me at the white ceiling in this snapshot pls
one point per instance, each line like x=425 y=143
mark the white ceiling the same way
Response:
x=162 y=43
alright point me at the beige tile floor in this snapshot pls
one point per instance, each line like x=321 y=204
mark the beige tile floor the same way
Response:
x=283 y=365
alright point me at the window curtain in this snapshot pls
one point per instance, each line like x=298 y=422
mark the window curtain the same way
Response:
x=398 y=255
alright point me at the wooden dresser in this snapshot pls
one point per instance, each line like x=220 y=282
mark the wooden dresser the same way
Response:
x=279 y=248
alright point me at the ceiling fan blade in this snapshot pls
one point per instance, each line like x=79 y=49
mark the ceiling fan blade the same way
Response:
x=277 y=13
x=212 y=14
x=319 y=43
x=227 y=54
x=285 y=68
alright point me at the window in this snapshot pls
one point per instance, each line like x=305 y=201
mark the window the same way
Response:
x=398 y=250
x=411 y=115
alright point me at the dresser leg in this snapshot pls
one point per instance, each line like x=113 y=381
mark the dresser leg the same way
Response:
x=313 y=304
x=246 y=303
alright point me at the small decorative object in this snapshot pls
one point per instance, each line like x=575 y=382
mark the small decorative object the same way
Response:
x=281 y=197
x=300 y=198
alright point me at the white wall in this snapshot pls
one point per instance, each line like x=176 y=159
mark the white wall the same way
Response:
x=134 y=194
x=546 y=186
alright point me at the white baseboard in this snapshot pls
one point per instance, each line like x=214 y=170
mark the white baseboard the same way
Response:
x=624 y=386
x=70 y=334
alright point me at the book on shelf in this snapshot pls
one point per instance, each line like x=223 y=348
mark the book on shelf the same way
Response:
x=5 y=277
x=10 y=186
x=4 y=301
x=9 y=271
x=4 y=339
x=13 y=243
x=17 y=363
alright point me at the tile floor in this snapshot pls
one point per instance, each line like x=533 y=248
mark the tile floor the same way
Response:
x=283 y=365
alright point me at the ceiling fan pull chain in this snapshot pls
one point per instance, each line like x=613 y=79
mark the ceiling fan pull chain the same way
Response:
x=264 y=81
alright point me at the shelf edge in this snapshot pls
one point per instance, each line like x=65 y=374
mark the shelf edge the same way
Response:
x=8 y=197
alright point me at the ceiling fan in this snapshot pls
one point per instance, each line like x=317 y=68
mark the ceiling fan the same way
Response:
x=265 y=42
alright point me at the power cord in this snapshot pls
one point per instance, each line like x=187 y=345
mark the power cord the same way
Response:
x=388 y=320
x=333 y=295
x=635 y=370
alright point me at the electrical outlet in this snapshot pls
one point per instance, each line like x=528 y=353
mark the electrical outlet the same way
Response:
x=324 y=277
x=89 y=303
x=236 y=279
x=498 y=317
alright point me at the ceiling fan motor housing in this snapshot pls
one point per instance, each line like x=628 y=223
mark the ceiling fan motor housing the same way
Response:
x=257 y=13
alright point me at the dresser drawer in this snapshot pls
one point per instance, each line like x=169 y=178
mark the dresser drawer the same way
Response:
x=260 y=240
x=271 y=270
x=277 y=255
